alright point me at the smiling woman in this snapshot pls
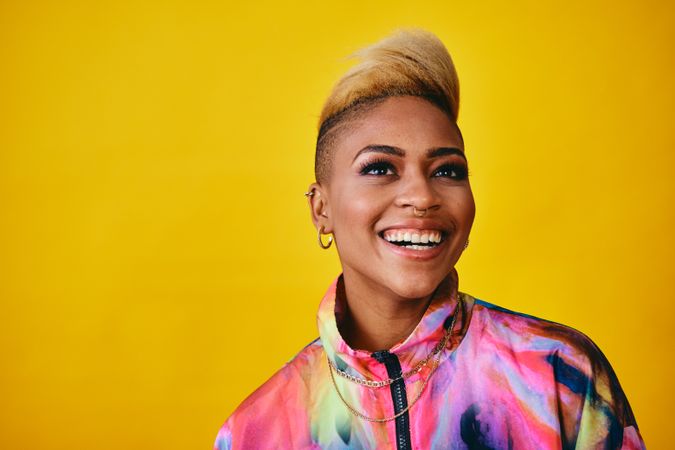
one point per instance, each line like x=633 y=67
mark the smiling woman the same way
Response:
x=404 y=359
x=398 y=177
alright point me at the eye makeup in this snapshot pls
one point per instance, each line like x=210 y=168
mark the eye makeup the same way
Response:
x=456 y=170
x=377 y=167
x=453 y=170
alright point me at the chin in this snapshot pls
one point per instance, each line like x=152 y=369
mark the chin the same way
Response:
x=414 y=287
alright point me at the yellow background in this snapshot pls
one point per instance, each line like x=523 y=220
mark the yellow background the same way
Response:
x=157 y=260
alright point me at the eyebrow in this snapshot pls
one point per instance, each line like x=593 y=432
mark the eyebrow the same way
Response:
x=433 y=152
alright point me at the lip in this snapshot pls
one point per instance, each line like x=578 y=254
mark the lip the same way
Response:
x=417 y=224
x=417 y=255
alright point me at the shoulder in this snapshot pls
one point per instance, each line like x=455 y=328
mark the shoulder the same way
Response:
x=281 y=398
x=582 y=375
x=291 y=380
x=533 y=334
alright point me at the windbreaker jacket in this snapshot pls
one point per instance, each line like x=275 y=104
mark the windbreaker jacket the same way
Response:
x=505 y=380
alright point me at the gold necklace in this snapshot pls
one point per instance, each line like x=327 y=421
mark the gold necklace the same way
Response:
x=435 y=353
x=374 y=384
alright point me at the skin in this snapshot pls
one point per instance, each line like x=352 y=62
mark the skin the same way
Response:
x=404 y=152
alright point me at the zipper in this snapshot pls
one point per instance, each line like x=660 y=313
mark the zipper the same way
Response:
x=398 y=396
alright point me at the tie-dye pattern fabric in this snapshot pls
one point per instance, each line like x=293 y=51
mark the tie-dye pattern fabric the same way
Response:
x=505 y=381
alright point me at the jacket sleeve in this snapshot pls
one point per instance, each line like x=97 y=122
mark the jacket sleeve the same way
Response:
x=223 y=439
x=632 y=439
x=593 y=408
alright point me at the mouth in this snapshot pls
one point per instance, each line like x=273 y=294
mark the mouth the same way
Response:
x=413 y=238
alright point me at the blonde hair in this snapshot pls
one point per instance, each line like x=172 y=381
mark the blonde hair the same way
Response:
x=409 y=62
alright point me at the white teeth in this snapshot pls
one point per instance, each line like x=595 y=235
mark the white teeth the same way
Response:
x=426 y=237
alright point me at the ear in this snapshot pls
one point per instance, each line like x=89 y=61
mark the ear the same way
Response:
x=317 y=198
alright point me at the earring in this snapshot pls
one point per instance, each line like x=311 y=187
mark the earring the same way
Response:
x=466 y=244
x=330 y=240
x=419 y=212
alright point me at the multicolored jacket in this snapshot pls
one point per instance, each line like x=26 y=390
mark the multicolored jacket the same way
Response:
x=504 y=380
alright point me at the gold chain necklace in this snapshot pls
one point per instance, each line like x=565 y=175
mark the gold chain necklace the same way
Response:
x=435 y=353
x=418 y=367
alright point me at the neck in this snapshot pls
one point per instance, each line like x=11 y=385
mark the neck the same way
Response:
x=377 y=321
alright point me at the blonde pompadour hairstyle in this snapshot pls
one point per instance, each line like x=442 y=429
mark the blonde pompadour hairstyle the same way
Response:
x=409 y=62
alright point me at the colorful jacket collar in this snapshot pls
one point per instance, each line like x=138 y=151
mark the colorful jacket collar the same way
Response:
x=410 y=351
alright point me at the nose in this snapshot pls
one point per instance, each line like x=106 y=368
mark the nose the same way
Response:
x=417 y=192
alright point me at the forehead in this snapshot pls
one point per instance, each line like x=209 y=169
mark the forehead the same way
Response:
x=411 y=123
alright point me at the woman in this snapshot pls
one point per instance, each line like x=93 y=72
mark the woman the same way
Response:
x=404 y=360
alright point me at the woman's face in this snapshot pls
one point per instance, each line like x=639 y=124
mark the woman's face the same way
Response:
x=401 y=154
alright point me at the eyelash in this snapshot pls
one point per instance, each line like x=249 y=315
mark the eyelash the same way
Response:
x=383 y=165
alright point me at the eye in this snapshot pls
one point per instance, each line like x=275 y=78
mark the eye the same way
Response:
x=454 y=171
x=377 y=168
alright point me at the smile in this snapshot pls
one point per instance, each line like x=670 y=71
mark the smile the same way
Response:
x=414 y=239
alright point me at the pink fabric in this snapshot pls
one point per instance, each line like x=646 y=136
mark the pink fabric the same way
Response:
x=505 y=381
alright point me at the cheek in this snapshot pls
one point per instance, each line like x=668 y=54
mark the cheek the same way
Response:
x=470 y=209
x=357 y=212
x=465 y=208
x=353 y=213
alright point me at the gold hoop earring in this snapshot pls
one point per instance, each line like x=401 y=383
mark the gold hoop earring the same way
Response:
x=330 y=240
